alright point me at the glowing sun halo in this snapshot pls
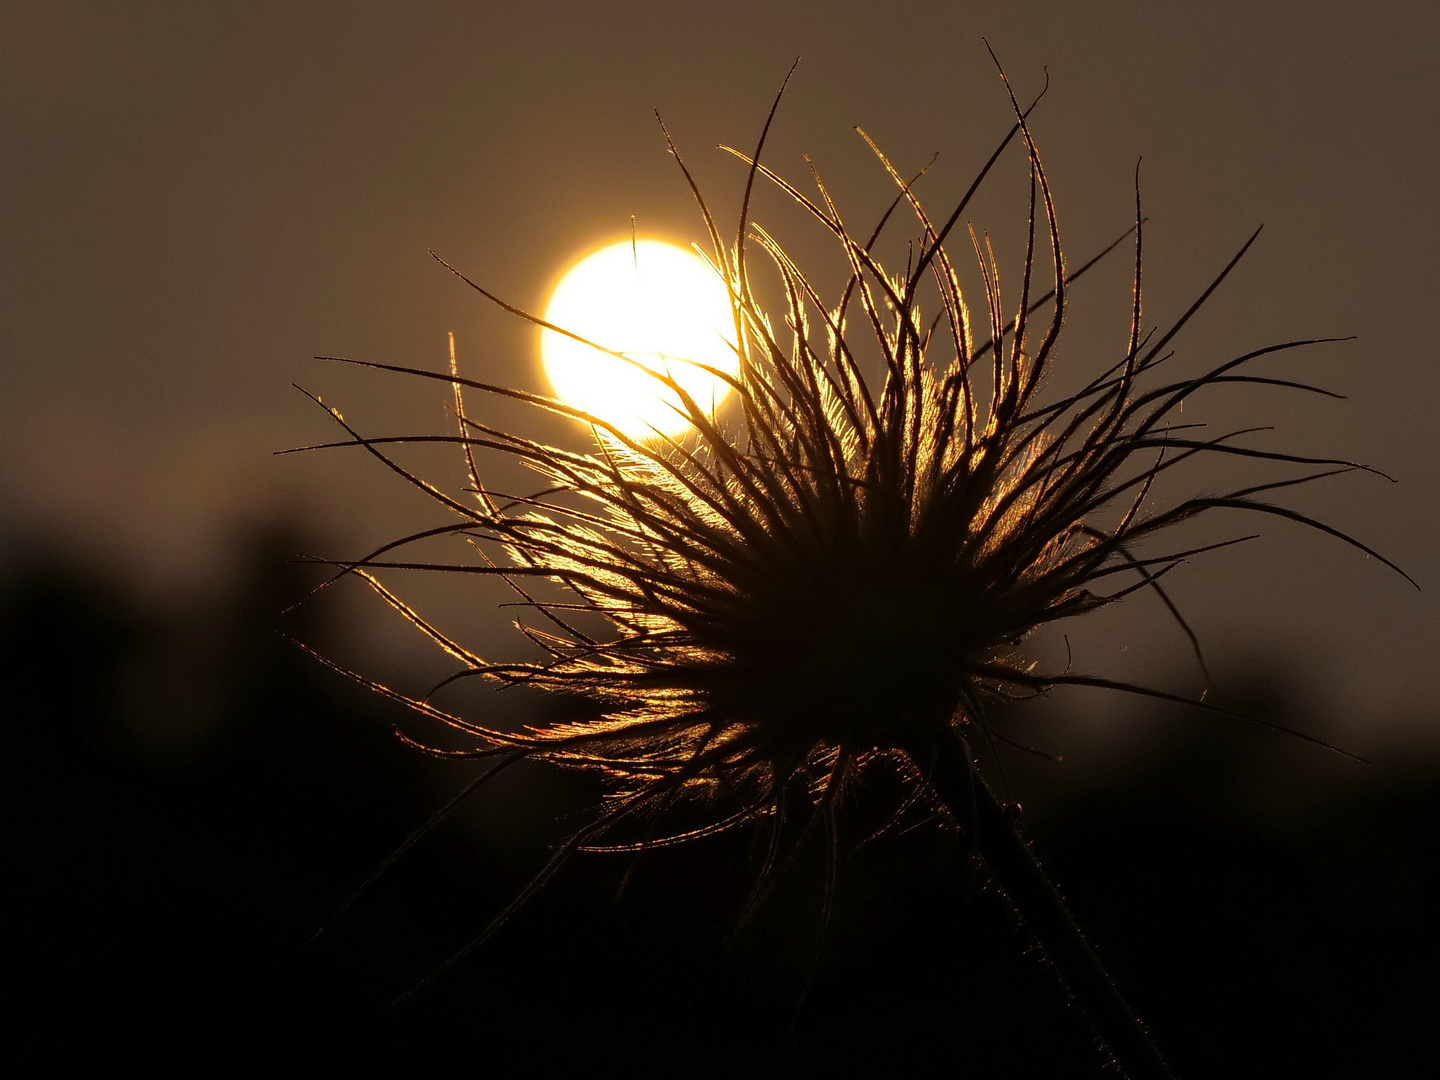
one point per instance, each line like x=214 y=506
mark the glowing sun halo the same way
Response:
x=660 y=305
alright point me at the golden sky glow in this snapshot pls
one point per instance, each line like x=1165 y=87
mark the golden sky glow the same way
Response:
x=660 y=305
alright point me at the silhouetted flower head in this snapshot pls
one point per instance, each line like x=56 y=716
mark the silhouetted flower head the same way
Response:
x=841 y=566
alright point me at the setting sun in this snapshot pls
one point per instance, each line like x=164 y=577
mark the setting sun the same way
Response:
x=660 y=305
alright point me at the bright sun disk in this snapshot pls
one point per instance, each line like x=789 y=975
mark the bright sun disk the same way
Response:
x=658 y=304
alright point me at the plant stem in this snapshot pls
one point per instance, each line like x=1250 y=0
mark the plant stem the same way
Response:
x=954 y=779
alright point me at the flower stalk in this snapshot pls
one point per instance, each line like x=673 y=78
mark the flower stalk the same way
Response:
x=993 y=833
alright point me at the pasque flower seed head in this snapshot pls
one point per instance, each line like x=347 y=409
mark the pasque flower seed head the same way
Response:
x=840 y=569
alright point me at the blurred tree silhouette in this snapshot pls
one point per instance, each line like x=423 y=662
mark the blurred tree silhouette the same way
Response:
x=189 y=798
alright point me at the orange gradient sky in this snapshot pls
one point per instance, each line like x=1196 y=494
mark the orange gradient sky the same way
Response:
x=195 y=199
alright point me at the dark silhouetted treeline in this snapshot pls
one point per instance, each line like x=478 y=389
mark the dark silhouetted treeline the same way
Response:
x=188 y=798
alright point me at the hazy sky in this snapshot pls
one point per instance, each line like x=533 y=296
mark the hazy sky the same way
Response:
x=195 y=198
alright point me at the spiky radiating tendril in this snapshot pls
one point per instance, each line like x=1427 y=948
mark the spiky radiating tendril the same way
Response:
x=842 y=574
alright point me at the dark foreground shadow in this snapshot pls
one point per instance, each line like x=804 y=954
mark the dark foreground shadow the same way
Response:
x=187 y=798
